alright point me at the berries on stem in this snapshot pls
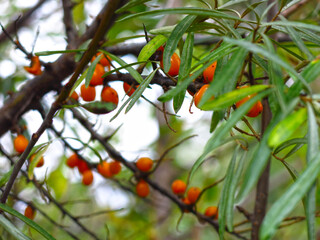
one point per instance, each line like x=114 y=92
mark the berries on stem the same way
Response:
x=178 y=187
x=144 y=164
x=20 y=143
x=255 y=110
x=88 y=94
x=142 y=188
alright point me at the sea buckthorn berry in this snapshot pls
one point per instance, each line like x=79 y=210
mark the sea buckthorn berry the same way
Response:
x=82 y=166
x=97 y=78
x=255 y=110
x=144 y=164
x=75 y=95
x=40 y=163
x=87 y=177
x=129 y=89
x=35 y=67
x=193 y=194
x=198 y=95
x=88 y=94
x=115 y=167
x=108 y=94
x=20 y=143
x=29 y=212
x=104 y=169
x=208 y=73
x=211 y=212
x=104 y=61
x=73 y=161
x=175 y=65
x=142 y=188
x=178 y=187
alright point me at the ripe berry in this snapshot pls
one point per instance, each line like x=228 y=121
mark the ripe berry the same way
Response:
x=144 y=164
x=20 y=143
x=115 y=167
x=88 y=94
x=142 y=188
x=82 y=166
x=75 y=96
x=255 y=110
x=108 y=94
x=104 y=169
x=97 y=78
x=104 y=61
x=193 y=194
x=129 y=89
x=35 y=67
x=178 y=187
x=40 y=163
x=73 y=161
x=198 y=95
x=175 y=65
x=208 y=73
x=29 y=212
x=87 y=177
x=211 y=212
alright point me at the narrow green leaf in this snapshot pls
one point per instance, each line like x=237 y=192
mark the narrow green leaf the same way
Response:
x=174 y=39
x=287 y=127
x=287 y=202
x=275 y=75
x=297 y=39
x=289 y=143
x=232 y=191
x=99 y=107
x=219 y=134
x=12 y=229
x=273 y=57
x=293 y=24
x=226 y=79
x=223 y=50
x=131 y=4
x=4 y=179
x=48 y=53
x=122 y=63
x=225 y=193
x=312 y=152
x=120 y=68
x=37 y=158
x=292 y=171
x=138 y=92
x=229 y=98
x=217 y=116
x=186 y=59
x=91 y=69
x=151 y=47
x=78 y=82
x=29 y=222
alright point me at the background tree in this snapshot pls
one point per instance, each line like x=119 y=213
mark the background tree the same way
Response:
x=131 y=157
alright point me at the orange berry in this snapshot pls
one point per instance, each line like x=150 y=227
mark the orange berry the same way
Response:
x=104 y=169
x=82 y=166
x=97 y=78
x=40 y=163
x=29 y=212
x=73 y=161
x=115 y=167
x=255 y=110
x=20 y=143
x=75 y=96
x=144 y=164
x=142 y=188
x=108 y=94
x=178 y=187
x=104 y=61
x=198 y=95
x=88 y=94
x=193 y=194
x=129 y=89
x=87 y=177
x=35 y=67
x=208 y=73
x=211 y=212
x=175 y=65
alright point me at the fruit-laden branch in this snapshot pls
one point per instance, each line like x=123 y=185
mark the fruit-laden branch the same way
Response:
x=33 y=90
